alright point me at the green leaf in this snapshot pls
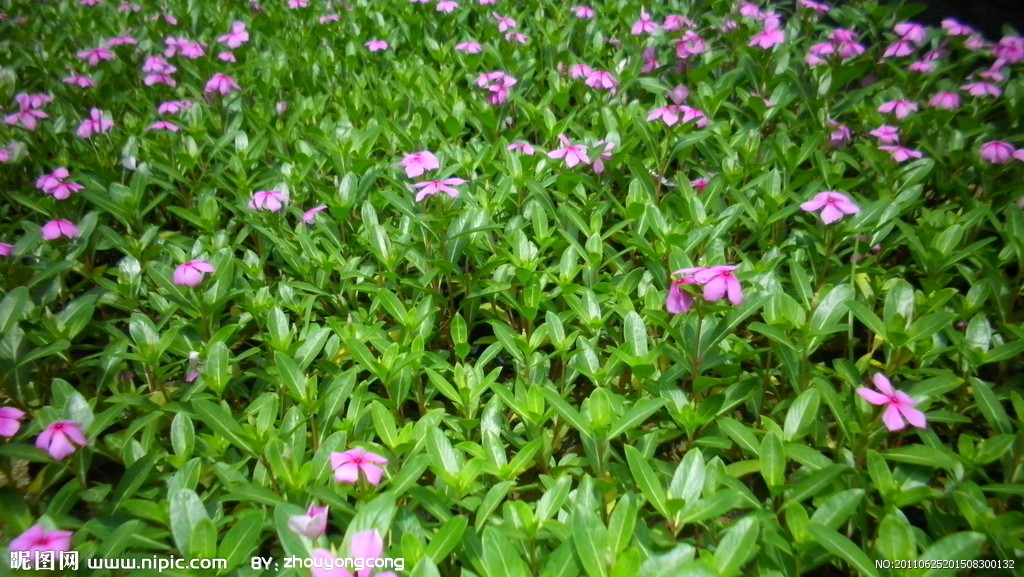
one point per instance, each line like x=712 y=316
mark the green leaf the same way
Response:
x=633 y=418
x=564 y=410
x=831 y=308
x=635 y=334
x=895 y=539
x=500 y=557
x=291 y=377
x=835 y=509
x=186 y=512
x=922 y=455
x=990 y=407
x=220 y=420
x=14 y=307
x=737 y=547
x=843 y=548
x=591 y=540
x=242 y=541
x=801 y=414
x=964 y=545
x=647 y=480
x=447 y=538
x=773 y=461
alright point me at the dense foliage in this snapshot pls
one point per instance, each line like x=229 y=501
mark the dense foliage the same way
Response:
x=514 y=289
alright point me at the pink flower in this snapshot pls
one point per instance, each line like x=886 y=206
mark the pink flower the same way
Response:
x=270 y=200
x=717 y=280
x=521 y=147
x=97 y=123
x=54 y=185
x=900 y=153
x=996 y=152
x=6 y=249
x=644 y=25
x=504 y=24
x=1010 y=49
x=583 y=12
x=469 y=47
x=699 y=184
x=812 y=5
x=668 y=114
x=679 y=301
x=54 y=229
x=236 y=37
x=37 y=538
x=173 y=106
x=96 y=55
x=447 y=6
x=310 y=215
x=157 y=64
x=517 y=37
x=226 y=57
x=690 y=114
x=840 y=135
x=417 y=163
x=675 y=23
x=690 y=45
x=376 y=45
x=953 y=27
x=602 y=81
x=10 y=418
x=899 y=108
x=679 y=94
x=79 y=81
x=120 y=40
x=128 y=7
x=573 y=154
x=833 y=206
x=348 y=465
x=221 y=83
x=191 y=273
x=328 y=18
x=899 y=49
x=580 y=71
x=945 y=101
x=910 y=31
x=432 y=187
x=650 y=60
x=28 y=114
x=768 y=38
x=164 y=125
x=606 y=154
x=311 y=525
x=886 y=134
x=922 y=66
x=60 y=438
x=899 y=406
x=366 y=545
x=845 y=44
x=296 y=4
x=153 y=79
x=982 y=89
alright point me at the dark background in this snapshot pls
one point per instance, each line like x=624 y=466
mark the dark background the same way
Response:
x=987 y=16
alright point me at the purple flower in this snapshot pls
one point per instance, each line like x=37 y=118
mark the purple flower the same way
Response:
x=432 y=187
x=270 y=200
x=309 y=216
x=60 y=438
x=10 y=420
x=55 y=229
x=833 y=206
x=899 y=406
x=996 y=152
x=191 y=273
x=347 y=466
x=573 y=154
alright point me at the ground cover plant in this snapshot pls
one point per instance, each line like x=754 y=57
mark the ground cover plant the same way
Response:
x=510 y=288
